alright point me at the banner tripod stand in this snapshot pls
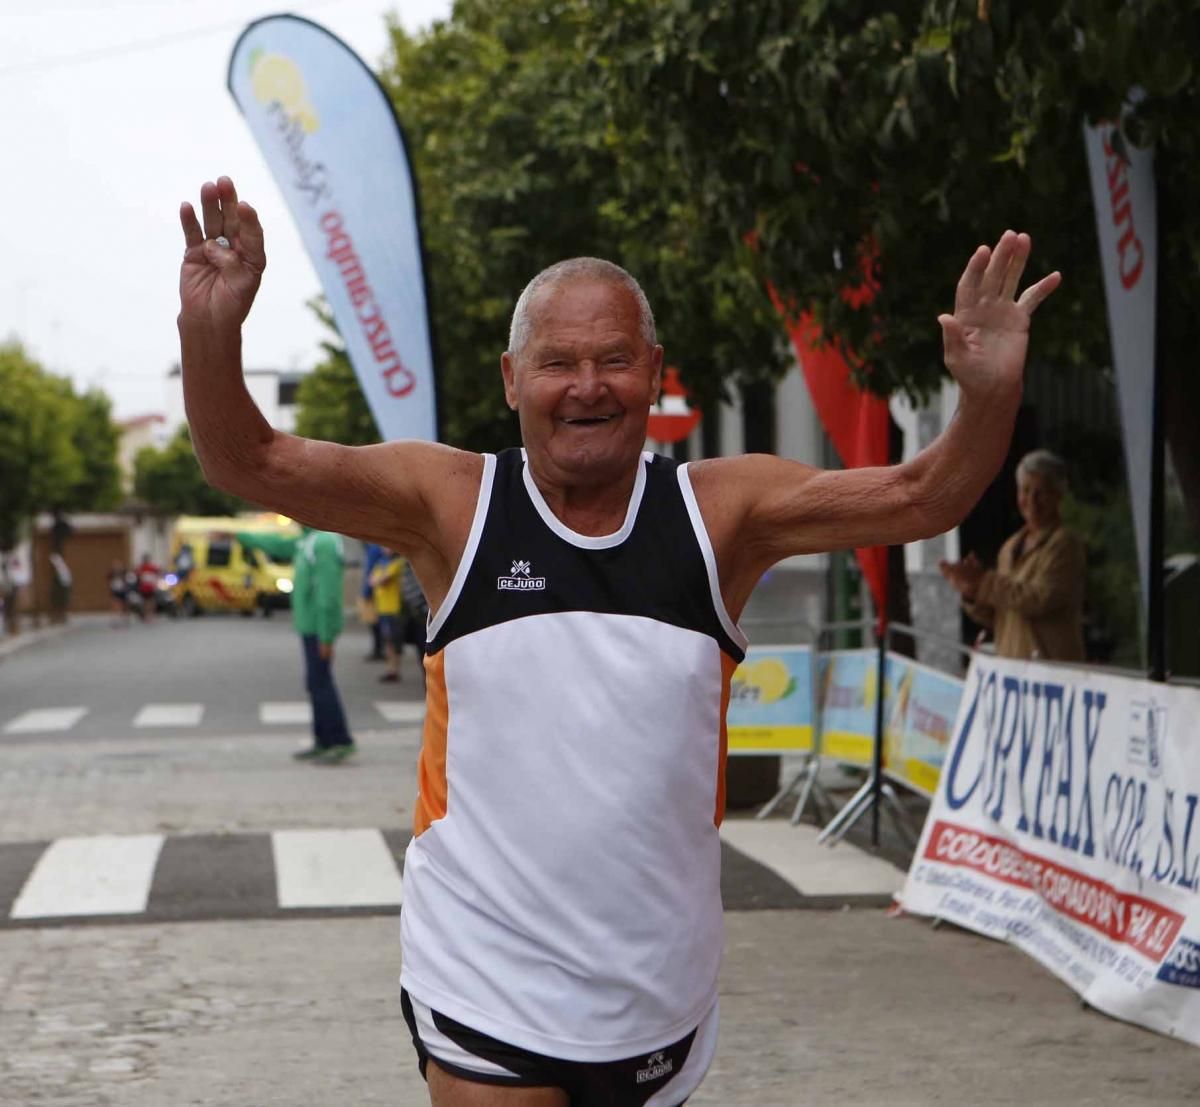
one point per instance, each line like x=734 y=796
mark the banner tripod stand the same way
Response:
x=810 y=788
x=860 y=803
x=876 y=792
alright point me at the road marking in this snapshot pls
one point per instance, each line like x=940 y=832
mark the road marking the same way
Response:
x=397 y=711
x=170 y=714
x=334 y=868
x=105 y=875
x=792 y=852
x=45 y=719
x=295 y=712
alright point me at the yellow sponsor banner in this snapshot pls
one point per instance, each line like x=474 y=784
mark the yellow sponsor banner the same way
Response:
x=770 y=701
x=921 y=775
x=919 y=712
x=770 y=739
x=848 y=747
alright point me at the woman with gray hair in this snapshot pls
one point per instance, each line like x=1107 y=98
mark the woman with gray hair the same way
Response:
x=1033 y=599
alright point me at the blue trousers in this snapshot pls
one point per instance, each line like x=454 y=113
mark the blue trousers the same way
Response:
x=329 y=720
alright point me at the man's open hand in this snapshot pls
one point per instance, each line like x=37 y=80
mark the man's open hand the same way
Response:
x=217 y=283
x=987 y=336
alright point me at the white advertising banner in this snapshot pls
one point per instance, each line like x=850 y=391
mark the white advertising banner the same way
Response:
x=1127 y=224
x=331 y=139
x=1065 y=822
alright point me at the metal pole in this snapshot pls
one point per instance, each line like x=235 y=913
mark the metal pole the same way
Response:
x=877 y=759
x=1156 y=644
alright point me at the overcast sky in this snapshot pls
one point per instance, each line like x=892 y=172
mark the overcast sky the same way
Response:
x=115 y=111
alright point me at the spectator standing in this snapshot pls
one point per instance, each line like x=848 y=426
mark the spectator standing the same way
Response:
x=1033 y=599
x=317 y=617
x=117 y=602
x=60 y=588
x=147 y=585
x=385 y=583
x=414 y=614
x=368 y=611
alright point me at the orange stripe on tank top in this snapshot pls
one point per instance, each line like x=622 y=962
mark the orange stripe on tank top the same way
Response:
x=431 y=764
x=728 y=665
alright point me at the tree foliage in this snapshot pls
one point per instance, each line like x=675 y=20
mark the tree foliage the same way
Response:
x=57 y=448
x=330 y=405
x=850 y=135
x=170 y=481
x=715 y=147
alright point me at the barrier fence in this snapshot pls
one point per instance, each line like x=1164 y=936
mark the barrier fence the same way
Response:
x=1065 y=801
x=804 y=697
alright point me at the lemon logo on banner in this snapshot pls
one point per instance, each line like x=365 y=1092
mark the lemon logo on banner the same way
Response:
x=765 y=681
x=277 y=79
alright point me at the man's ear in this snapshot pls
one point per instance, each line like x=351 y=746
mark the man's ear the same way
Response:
x=656 y=363
x=508 y=370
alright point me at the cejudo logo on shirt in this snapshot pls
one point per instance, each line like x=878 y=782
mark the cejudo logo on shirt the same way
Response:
x=519 y=579
x=658 y=1065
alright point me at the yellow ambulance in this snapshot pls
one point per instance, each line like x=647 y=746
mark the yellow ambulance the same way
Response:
x=213 y=570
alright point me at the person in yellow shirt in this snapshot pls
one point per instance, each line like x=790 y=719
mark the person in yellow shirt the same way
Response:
x=385 y=582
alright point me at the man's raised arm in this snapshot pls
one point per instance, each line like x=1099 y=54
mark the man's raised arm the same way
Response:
x=762 y=509
x=380 y=493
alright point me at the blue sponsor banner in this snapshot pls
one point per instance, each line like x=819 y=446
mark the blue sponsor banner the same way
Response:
x=770 y=701
x=331 y=139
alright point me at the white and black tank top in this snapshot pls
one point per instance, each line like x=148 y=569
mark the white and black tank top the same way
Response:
x=562 y=888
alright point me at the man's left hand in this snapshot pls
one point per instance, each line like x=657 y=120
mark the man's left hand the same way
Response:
x=326 y=651
x=986 y=338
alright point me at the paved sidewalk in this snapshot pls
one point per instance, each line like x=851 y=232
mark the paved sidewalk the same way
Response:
x=11 y=643
x=817 y=1008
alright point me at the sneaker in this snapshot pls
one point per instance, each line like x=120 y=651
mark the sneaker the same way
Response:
x=335 y=755
x=389 y=678
x=309 y=754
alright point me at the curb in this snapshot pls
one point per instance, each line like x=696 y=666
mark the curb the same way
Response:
x=12 y=643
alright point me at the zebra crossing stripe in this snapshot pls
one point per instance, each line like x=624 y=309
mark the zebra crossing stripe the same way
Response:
x=396 y=711
x=334 y=868
x=299 y=711
x=45 y=719
x=104 y=875
x=169 y=714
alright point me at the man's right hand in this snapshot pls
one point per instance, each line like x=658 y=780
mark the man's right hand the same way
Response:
x=217 y=284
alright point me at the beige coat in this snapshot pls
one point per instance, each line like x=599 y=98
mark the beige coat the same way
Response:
x=1034 y=602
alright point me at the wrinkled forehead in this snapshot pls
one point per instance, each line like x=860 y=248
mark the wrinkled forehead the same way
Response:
x=583 y=304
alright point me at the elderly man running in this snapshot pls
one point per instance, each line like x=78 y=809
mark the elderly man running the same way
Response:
x=562 y=923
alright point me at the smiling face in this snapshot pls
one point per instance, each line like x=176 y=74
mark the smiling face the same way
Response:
x=583 y=382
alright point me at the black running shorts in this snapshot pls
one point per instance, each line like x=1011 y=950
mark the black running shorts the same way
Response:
x=662 y=1078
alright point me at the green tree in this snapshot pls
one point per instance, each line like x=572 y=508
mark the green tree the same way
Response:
x=41 y=465
x=94 y=437
x=848 y=138
x=520 y=166
x=171 y=482
x=330 y=405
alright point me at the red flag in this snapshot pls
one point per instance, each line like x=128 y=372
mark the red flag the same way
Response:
x=856 y=421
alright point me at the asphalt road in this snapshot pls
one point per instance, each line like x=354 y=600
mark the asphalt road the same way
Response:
x=202 y=966
x=227 y=664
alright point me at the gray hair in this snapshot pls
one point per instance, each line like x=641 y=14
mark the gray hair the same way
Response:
x=591 y=269
x=1047 y=465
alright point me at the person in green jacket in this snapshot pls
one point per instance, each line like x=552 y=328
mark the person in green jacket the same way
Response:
x=317 y=616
